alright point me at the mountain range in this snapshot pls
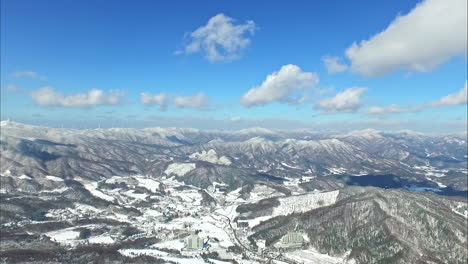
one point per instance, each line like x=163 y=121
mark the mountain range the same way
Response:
x=134 y=195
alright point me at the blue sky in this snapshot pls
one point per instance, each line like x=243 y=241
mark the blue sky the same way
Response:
x=407 y=74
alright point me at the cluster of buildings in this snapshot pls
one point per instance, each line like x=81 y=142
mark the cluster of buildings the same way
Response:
x=291 y=240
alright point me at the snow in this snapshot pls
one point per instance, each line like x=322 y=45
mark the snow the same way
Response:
x=24 y=177
x=214 y=228
x=405 y=155
x=185 y=260
x=215 y=261
x=149 y=184
x=190 y=196
x=224 y=160
x=365 y=133
x=465 y=214
x=262 y=191
x=259 y=141
x=92 y=188
x=137 y=252
x=454 y=140
x=54 y=178
x=78 y=209
x=311 y=256
x=151 y=212
x=299 y=204
x=279 y=262
x=258 y=220
x=289 y=166
x=160 y=254
x=441 y=185
x=178 y=212
x=63 y=235
x=59 y=190
x=101 y=240
x=304 y=203
x=256 y=130
x=430 y=171
x=210 y=156
x=172 y=244
x=86 y=208
x=461 y=210
x=337 y=170
x=140 y=196
x=179 y=169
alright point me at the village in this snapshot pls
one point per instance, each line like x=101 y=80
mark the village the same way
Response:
x=181 y=217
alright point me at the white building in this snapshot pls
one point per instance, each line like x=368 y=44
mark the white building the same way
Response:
x=291 y=240
x=194 y=242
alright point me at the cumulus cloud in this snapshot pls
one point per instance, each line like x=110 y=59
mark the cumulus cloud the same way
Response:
x=220 y=39
x=27 y=74
x=458 y=98
x=391 y=109
x=198 y=101
x=160 y=100
x=348 y=100
x=280 y=86
x=430 y=34
x=47 y=96
x=333 y=65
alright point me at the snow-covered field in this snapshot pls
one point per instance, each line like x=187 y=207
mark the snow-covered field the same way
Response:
x=304 y=203
x=155 y=216
x=169 y=211
x=92 y=188
x=179 y=169
x=298 y=204
x=53 y=178
x=311 y=256
x=174 y=216
x=210 y=156
x=63 y=236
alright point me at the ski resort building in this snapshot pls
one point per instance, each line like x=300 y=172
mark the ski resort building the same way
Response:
x=291 y=240
x=194 y=242
x=220 y=187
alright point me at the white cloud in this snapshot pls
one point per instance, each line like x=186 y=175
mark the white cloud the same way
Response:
x=235 y=118
x=47 y=96
x=433 y=32
x=11 y=88
x=333 y=65
x=27 y=74
x=458 y=98
x=160 y=100
x=461 y=97
x=198 y=101
x=348 y=100
x=220 y=39
x=391 y=109
x=280 y=86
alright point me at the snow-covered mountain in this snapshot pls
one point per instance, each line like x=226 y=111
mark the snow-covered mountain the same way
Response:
x=243 y=155
x=137 y=195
